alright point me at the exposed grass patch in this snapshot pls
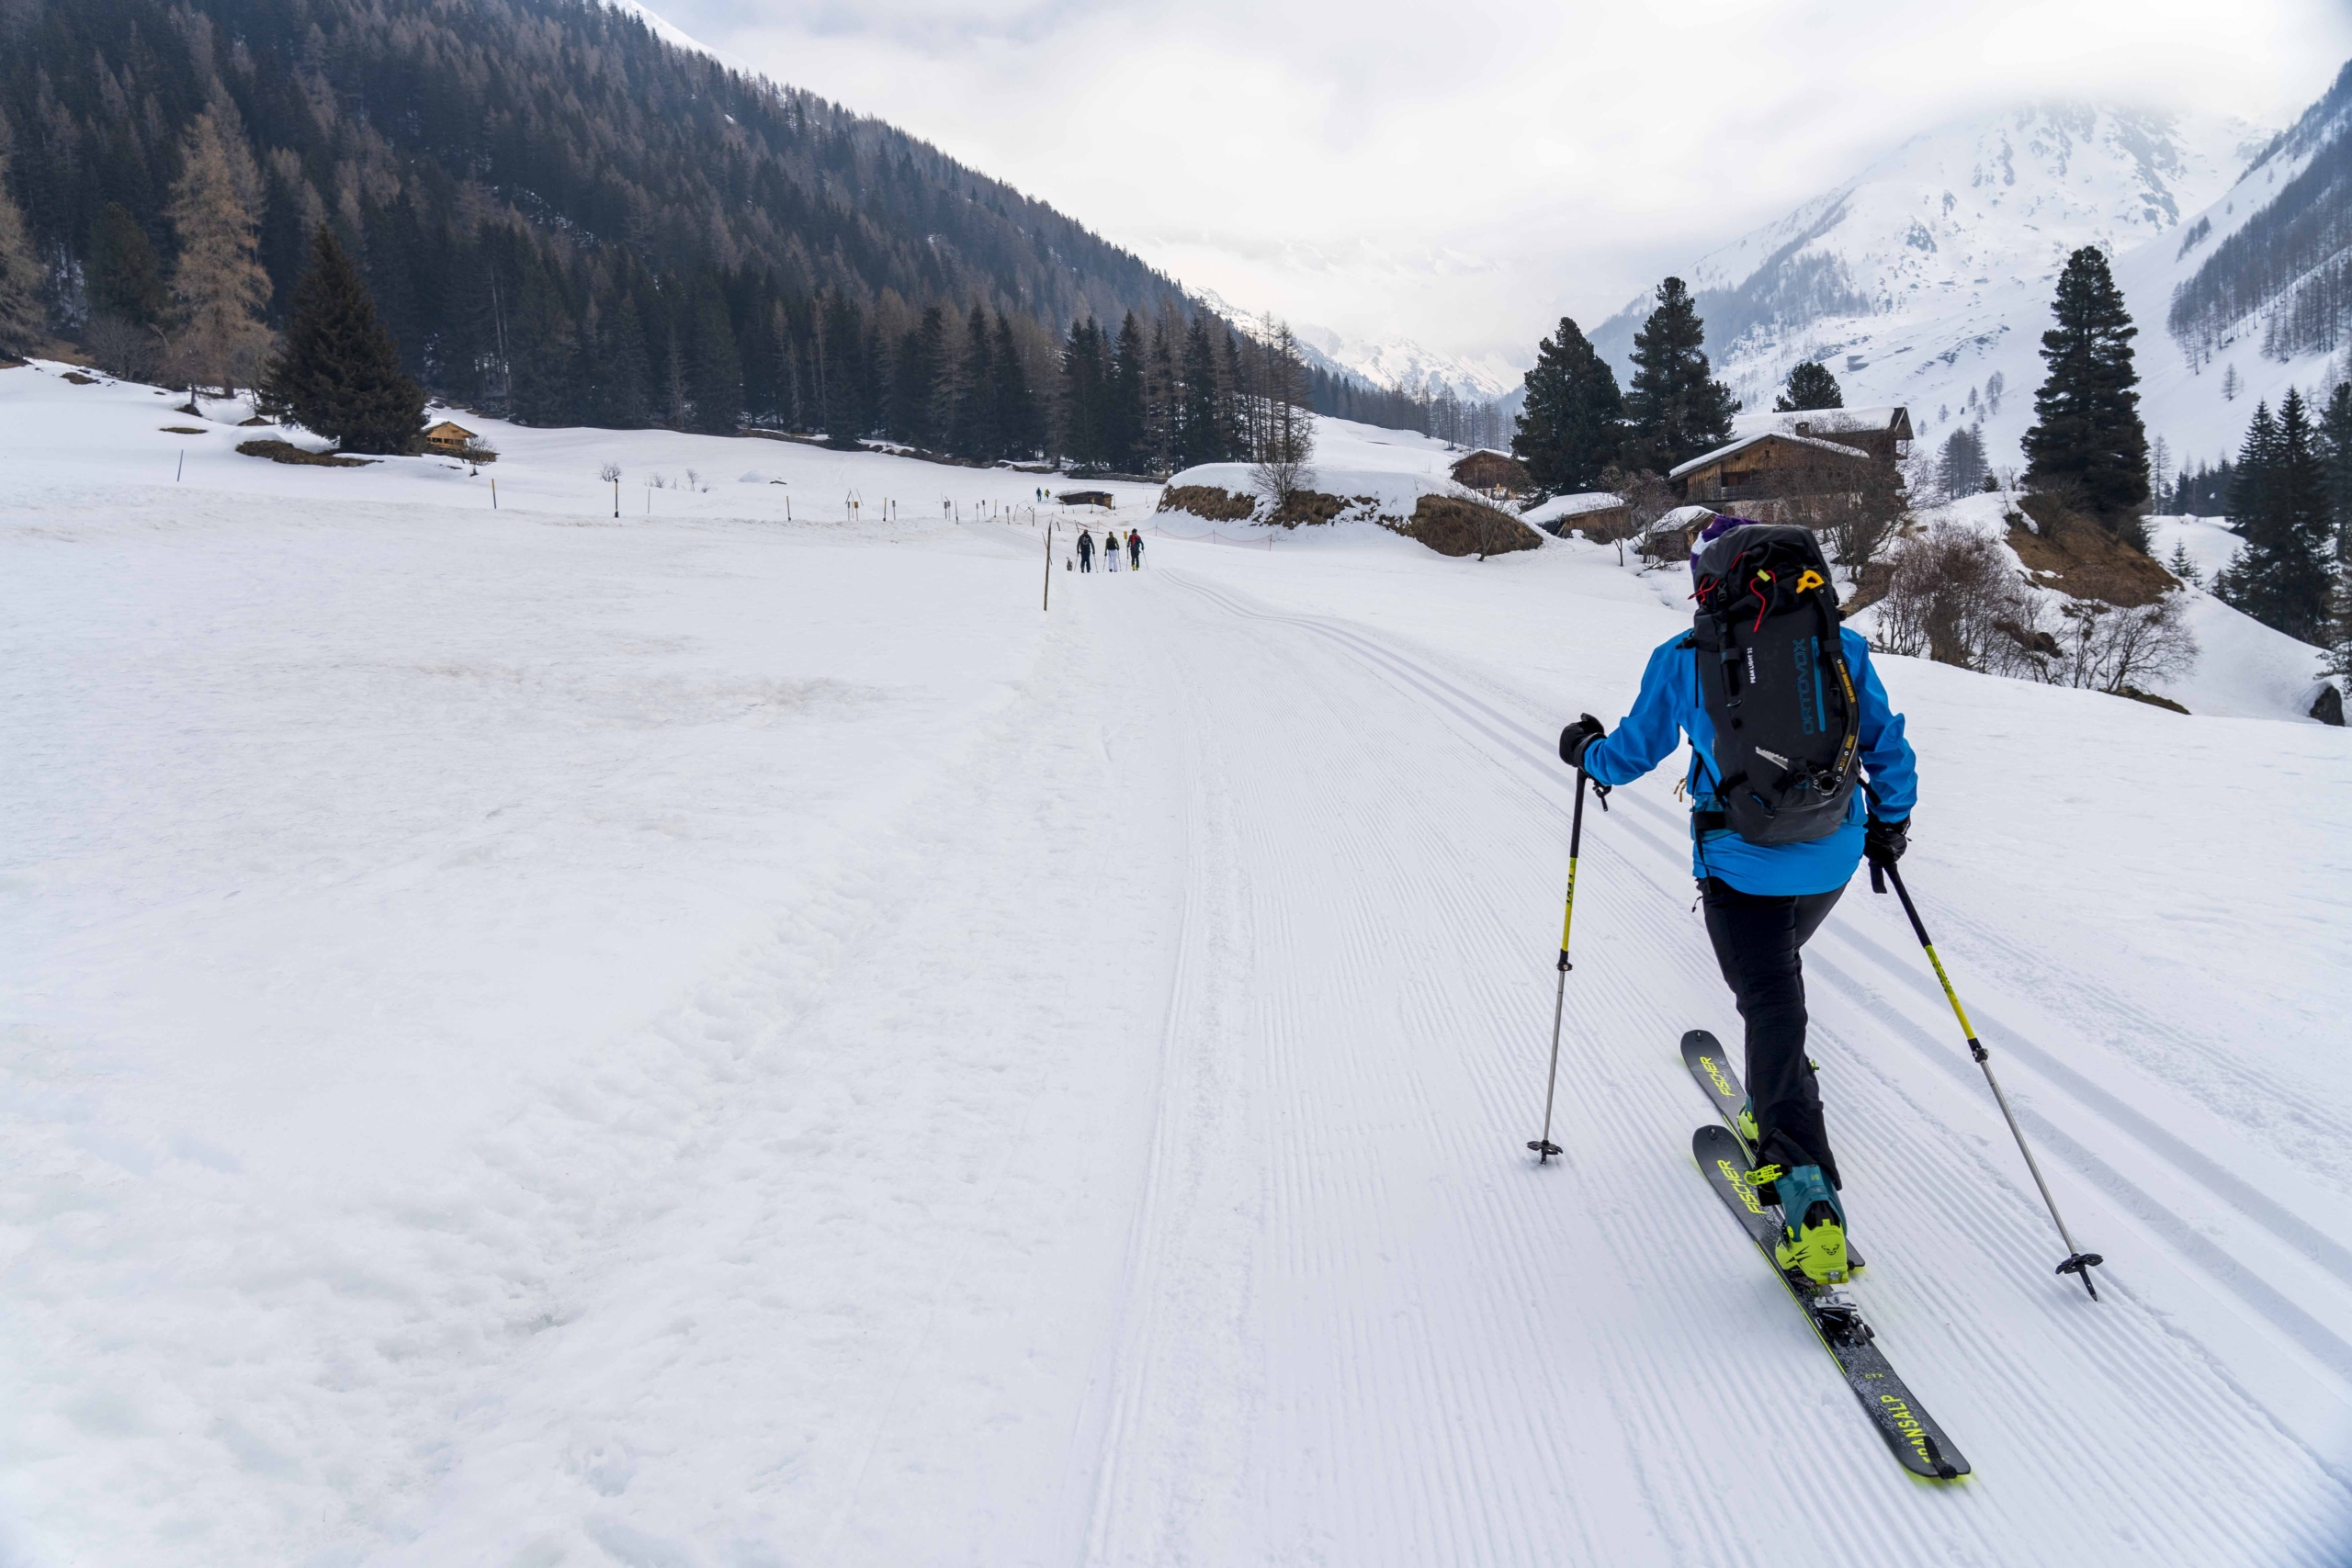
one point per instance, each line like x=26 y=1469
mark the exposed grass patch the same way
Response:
x=2067 y=551
x=1454 y=525
x=184 y=430
x=1208 y=502
x=286 y=452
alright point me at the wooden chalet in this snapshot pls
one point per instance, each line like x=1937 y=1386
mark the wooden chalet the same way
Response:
x=1884 y=431
x=1087 y=498
x=1772 y=477
x=1492 y=473
x=448 y=436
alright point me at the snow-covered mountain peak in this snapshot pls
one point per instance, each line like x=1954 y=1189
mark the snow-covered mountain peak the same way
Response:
x=1397 y=364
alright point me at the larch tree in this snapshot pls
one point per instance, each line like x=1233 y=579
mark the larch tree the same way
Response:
x=2087 y=439
x=339 y=373
x=1676 y=407
x=1573 y=421
x=21 y=315
x=218 y=288
x=1809 y=386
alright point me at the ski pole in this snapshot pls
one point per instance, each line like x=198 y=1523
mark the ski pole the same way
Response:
x=2079 y=1263
x=1544 y=1146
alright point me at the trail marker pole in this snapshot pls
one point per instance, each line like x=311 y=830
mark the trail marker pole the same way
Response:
x=1049 y=571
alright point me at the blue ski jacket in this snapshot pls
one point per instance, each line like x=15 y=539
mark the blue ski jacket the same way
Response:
x=1670 y=705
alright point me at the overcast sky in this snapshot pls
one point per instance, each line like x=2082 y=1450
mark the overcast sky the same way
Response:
x=1464 y=173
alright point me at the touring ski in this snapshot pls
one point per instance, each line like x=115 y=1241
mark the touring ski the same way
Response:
x=1703 y=1054
x=1911 y=1434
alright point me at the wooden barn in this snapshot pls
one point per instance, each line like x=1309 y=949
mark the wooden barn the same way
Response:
x=1492 y=473
x=448 y=436
x=1087 y=498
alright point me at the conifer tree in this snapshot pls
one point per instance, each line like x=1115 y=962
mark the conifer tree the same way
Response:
x=2281 y=575
x=1019 y=420
x=21 y=316
x=339 y=373
x=1677 y=408
x=1809 y=386
x=2336 y=442
x=2087 y=438
x=1200 y=430
x=123 y=276
x=915 y=376
x=623 y=373
x=1159 y=399
x=218 y=287
x=1085 y=427
x=976 y=434
x=1124 y=413
x=714 y=365
x=1573 y=422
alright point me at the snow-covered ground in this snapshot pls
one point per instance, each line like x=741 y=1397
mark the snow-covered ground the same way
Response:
x=532 y=1039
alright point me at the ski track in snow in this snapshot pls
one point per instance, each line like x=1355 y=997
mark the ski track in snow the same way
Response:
x=839 y=1071
x=2119 y=1358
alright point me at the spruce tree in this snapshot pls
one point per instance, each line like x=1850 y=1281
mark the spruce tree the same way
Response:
x=2087 y=439
x=123 y=276
x=1124 y=408
x=1809 y=386
x=21 y=315
x=340 y=371
x=2336 y=442
x=1677 y=408
x=1085 y=417
x=975 y=433
x=1573 y=420
x=2281 y=575
x=1199 y=431
x=714 y=366
x=1020 y=422
x=622 y=370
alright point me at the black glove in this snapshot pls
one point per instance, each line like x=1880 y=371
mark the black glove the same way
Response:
x=1579 y=736
x=1883 y=842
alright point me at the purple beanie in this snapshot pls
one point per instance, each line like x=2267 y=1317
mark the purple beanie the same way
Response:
x=1715 y=530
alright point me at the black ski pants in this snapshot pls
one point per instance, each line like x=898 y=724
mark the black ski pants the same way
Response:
x=1757 y=936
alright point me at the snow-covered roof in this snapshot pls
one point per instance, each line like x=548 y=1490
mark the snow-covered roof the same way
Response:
x=1682 y=518
x=1720 y=452
x=1879 y=419
x=1576 y=505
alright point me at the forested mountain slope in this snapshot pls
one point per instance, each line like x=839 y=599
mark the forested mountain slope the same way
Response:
x=561 y=215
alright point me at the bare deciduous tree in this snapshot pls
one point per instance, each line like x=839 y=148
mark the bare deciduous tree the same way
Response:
x=1955 y=598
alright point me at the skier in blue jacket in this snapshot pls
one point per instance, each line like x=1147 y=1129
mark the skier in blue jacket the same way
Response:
x=1762 y=903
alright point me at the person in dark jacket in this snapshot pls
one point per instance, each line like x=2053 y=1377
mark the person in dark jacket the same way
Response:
x=1134 y=550
x=1762 y=903
x=1085 y=550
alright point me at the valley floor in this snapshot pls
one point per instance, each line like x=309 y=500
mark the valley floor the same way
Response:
x=531 y=1040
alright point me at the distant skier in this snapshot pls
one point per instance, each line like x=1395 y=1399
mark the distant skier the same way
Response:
x=1134 y=550
x=1773 y=852
x=1085 y=550
x=1110 y=550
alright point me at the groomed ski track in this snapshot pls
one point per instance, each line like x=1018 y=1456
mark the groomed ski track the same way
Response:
x=1362 y=1327
x=713 y=1043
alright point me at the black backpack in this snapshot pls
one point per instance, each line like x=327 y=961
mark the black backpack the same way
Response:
x=1772 y=673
